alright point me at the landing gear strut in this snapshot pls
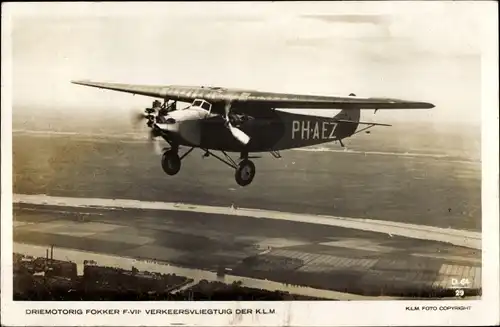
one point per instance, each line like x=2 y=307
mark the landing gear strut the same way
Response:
x=244 y=170
x=171 y=162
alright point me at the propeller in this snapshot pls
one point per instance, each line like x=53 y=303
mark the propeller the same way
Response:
x=154 y=141
x=149 y=115
x=137 y=118
x=237 y=133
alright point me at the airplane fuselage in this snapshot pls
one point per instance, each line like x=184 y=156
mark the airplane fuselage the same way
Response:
x=245 y=121
x=271 y=131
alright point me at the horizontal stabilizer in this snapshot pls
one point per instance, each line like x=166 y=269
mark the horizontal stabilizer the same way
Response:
x=360 y=122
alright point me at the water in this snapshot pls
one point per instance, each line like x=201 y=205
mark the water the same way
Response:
x=434 y=188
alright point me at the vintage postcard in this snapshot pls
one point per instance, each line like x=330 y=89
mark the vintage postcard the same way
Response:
x=274 y=164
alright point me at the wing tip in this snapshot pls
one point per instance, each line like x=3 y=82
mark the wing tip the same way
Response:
x=427 y=105
x=420 y=104
x=416 y=104
x=80 y=82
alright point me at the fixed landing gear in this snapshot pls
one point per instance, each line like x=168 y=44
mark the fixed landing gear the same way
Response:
x=245 y=172
x=171 y=162
x=244 y=169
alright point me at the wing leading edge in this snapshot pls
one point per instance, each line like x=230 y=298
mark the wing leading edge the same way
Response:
x=264 y=99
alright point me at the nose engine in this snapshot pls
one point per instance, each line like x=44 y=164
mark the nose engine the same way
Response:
x=184 y=128
x=157 y=113
x=150 y=114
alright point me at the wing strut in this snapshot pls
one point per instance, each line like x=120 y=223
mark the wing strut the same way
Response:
x=276 y=154
x=368 y=127
x=228 y=160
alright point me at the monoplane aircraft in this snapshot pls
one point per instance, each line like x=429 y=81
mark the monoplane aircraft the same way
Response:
x=247 y=121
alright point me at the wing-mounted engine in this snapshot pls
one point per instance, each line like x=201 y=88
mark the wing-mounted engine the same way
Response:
x=237 y=119
x=233 y=119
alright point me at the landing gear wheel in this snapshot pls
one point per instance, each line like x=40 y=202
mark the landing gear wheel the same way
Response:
x=171 y=163
x=245 y=173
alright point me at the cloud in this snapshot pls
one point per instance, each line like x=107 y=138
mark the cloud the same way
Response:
x=421 y=35
x=403 y=54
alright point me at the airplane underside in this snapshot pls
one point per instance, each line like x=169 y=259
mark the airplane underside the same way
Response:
x=270 y=132
x=244 y=168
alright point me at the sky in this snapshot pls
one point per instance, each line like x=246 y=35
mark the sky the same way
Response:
x=416 y=51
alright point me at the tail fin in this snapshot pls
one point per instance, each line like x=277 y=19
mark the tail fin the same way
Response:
x=352 y=115
x=348 y=122
x=349 y=114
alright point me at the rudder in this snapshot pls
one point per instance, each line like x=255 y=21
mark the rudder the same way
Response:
x=349 y=114
x=348 y=123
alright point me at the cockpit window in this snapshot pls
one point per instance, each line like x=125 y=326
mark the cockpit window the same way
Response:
x=206 y=106
x=202 y=104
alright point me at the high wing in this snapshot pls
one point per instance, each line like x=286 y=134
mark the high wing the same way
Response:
x=263 y=99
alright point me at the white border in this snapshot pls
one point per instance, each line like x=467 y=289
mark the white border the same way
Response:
x=376 y=313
